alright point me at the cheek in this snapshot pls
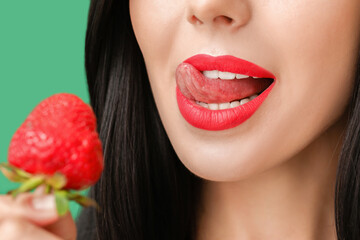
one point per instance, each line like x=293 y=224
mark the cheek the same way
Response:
x=316 y=51
x=157 y=29
x=154 y=24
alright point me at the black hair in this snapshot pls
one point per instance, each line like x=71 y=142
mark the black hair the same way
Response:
x=347 y=187
x=145 y=192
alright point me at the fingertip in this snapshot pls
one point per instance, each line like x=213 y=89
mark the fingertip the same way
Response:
x=43 y=202
x=39 y=209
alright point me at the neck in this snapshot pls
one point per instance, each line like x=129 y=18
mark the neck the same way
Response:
x=294 y=200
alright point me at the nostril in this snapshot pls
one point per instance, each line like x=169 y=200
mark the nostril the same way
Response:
x=223 y=19
x=195 y=20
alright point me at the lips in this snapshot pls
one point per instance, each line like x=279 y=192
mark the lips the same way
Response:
x=193 y=86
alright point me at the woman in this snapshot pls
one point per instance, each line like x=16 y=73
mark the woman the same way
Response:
x=281 y=166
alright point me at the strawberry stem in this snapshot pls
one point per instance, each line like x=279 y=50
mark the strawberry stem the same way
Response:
x=14 y=174
x=62 y=202
x=52 y=184
x=48 y=189
x=29 y=185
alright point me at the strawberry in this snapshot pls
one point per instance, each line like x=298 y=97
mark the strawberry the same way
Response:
x=57 y=146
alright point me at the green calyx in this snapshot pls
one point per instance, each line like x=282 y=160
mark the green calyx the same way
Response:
x=52 y=184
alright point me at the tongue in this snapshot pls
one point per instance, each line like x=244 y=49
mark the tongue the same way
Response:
x=195 y=86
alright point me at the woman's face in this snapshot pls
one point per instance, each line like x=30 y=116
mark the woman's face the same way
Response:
x=310 y=46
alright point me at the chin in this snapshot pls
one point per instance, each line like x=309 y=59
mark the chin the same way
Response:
x=224 y=165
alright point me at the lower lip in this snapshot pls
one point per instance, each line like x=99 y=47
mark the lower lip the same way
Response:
x=215 y=120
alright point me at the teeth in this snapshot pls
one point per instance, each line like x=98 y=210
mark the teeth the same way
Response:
x=211 y=74
x=224 y=105
x=253 y=96
x=213 y=106
x=238 y=76
x=226 y=75
x=223 y=75
x=243 y=101
x=205 y=105
x=234 y=104
x=217 y=106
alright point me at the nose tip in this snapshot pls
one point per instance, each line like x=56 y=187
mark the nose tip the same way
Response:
x=219 y=13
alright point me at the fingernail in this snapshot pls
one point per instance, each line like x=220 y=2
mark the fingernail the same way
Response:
x=43 y=202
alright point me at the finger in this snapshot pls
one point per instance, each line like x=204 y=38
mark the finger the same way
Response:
x=38 y=209
x=40 y=190
x=64 y=227
x=20 y=229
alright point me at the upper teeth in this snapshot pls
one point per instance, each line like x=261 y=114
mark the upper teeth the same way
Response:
x=223 y=75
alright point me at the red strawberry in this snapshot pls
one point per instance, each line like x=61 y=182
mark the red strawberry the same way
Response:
x=59 y=135
x=57 y=146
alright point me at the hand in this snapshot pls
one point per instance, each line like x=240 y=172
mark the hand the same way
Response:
x=33 y=216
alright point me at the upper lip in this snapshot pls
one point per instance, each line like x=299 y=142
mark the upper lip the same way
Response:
x=228 y=63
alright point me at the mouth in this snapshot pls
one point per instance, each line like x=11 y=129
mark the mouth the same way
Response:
x=217 y=93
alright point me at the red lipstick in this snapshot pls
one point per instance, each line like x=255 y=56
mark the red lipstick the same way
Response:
x=193 y=86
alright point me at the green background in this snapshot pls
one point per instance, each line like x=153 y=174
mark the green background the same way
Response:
x=41 y=53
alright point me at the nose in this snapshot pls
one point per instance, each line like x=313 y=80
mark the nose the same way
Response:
x=219 y=13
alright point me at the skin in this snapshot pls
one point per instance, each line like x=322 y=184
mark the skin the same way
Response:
x=33 y=216
x=273 y=176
